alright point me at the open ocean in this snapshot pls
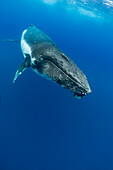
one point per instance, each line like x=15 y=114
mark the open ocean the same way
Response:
x=42 y=126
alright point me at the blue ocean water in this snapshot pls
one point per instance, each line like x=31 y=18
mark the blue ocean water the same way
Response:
x=42 y=126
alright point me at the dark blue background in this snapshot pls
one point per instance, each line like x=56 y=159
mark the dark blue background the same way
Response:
x=42 y=126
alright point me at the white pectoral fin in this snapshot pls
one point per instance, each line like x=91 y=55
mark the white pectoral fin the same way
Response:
x=22 y=67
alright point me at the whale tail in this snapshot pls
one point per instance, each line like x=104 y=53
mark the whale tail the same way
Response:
x=22 y=67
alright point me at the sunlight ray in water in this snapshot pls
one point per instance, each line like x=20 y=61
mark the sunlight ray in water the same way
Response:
x=83 y=7
x=89 y=13
x=87 y=7
x=50 y=1
x=108 y=3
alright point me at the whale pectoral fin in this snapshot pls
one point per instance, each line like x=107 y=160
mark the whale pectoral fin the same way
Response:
x=22 y=67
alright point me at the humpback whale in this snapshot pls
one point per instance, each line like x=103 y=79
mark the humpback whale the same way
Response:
x=46 y=59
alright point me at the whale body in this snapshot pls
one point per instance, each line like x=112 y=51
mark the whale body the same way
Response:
x=46 y=59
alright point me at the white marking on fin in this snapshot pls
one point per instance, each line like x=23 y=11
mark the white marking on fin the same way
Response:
x=17 y=74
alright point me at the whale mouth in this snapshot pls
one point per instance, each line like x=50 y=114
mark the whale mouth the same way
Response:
x=54 y=70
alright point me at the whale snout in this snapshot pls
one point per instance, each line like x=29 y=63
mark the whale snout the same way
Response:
x=80 y=92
